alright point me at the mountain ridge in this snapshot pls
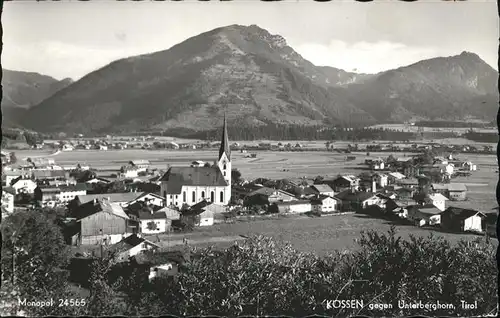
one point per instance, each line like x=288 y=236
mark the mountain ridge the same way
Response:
x=258 y=79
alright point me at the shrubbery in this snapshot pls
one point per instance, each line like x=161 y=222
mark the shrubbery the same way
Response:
x=263 y=277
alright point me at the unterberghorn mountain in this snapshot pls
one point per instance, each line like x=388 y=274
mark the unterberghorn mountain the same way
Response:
x=258 y=79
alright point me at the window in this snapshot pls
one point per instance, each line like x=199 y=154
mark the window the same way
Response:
x=222 y=196
x=171 y=196
x=184 y=196
x=224 y=167
x=193 y=196
x=203 y=194
x=224 y=173
x=212 y=196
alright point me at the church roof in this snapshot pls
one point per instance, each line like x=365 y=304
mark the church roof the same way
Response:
x=176 y=177
x=224 y=146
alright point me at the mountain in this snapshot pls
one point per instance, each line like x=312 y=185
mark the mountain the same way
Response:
x=21 y=90
x=258 y=79
x=256 y=76
x=444 y=88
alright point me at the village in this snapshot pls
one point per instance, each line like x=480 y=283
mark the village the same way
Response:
x=133 y=215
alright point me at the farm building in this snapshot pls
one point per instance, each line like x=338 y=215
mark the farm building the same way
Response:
x=438 y=200
x=323 y=189
x=456 y=191
x=294 y=207
x=8 y=195
x=462 y=220
x=129 y=172
x=46 y=175
x=264 y=195
x=190 y=185
x=408 y=183
x=47 y=195
x=439 y=188
x=381 y=179
x=131 y=246
x=325 y=204
x=100 y=221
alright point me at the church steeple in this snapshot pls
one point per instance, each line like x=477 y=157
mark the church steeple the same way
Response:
x=224 y=146
x=224 y=161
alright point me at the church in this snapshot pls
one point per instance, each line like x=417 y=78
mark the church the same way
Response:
x=190 y=185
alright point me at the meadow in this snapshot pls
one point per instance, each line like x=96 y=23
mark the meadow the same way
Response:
x=319 y=235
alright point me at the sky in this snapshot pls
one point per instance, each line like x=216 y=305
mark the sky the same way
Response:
x=71 y=38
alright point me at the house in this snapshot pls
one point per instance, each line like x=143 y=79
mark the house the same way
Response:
x=24 y=185
x=354 y=200
x=122 y=199
x=408 y=183
x=49 y=174
x=161 y=264
x=344 y=182
x=469 y=166
x=439 y=188
x=205 y=205
x=13 y=175
x=445 y=168
x=153 y=222
x=67 y=147
x=142 y=165
x=424 y=215
x=294 y=207
x=325 y=204
x=129 y=172
x=197 y=163
x=462 y=220
x=378 y=165
x=102 y=147
x=393 y=177
x=47 y=195
x=456 y=191
x=190 y=185
x=404 y=194
x=149 y=199
x=100 y=221
x=8 y=195
x=201 y=216
x=131 y=246
x=264 y=195
x=381 y=179
x=438 y=200
x=322 y=189
x=171 y=214
x=70 y=192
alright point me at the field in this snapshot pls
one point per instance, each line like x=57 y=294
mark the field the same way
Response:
x=408 y=128
x=320 y=235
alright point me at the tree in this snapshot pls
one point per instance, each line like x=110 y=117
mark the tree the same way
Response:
x=152 y=226
x=207 y=165
x=235 y=175
x=12 y=159
x=34 y=254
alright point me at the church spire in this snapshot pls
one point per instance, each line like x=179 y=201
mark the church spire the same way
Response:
x=224 y=146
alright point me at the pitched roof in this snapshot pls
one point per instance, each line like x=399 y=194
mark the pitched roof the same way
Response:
x=170 y=214
x=160 y=258
x=437 y=197
x=437 y=186
x=320 y=198
x=397 y=175
x=49 y=189
x=408 y=181
x=91 y=208
x=297 y=202
x=113 y=197
x=430 y=210
x=128 y=243
x=321 y=188
x=145 y=215
x=224 y=146
x=457 y=187
x=76 y=187
x=140 y=162
x=40 y=174
x=176 y=177
x=461 y=213
x=268 y=192
x=10 y=190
